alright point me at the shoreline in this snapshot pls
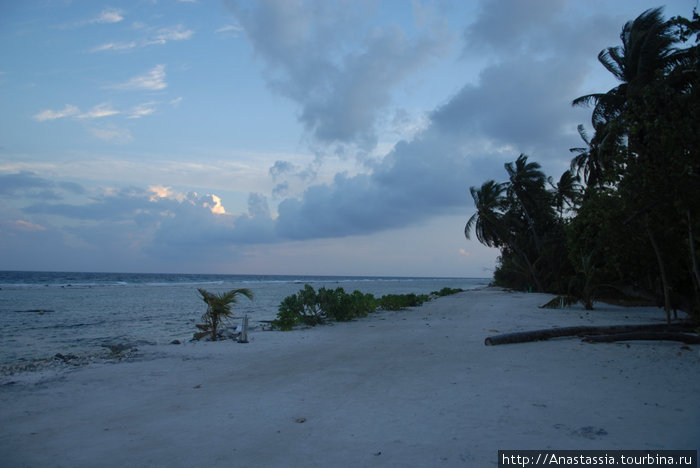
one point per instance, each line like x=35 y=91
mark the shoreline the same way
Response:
x=409 y=388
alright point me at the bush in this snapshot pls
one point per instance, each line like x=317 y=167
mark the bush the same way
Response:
x=312 y=308
x=401 y=301
x=446 y=291
x=342 y=307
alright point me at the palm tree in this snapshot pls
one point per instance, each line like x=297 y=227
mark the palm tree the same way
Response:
x=218 y=308
x=527 y=187
x=567 y=192
x=487 y=222
x=646 y=50
x=588 y=161
x=494 y=227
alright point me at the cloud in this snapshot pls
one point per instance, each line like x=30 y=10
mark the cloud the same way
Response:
x=163 y=222
x=164 y=35
x=229 y=30
x=142 y=110
x=282 y=167
x=26 y=184
x=112 y=134
x=520 y=103
x=340 y=72
x=153 y=80
x=11 y=184
x=115 y=46
x=26 y=226
x=154 y=36
x=161 y=191
x=48 y=114
x=99 y=111
x=109 y=16
x=511 y=25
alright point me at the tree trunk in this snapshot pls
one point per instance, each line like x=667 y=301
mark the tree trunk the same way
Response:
x=662 y=270
x=545 y=334
x=693 y=255
x=645 y=336
x=530 y=267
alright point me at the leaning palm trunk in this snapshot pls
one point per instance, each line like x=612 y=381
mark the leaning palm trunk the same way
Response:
x=693 y=255
x=530 y=267
x=662 y=271
x=531 y=225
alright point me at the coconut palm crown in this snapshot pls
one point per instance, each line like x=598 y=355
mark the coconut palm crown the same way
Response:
x=218 y=309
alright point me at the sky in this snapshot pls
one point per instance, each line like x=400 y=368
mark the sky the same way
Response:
x=284 y=136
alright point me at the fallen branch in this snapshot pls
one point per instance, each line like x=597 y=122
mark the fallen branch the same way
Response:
x=645 y=336
x=545 y=334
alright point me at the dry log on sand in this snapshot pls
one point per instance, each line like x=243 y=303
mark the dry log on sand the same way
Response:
x=583 y=331
x=645 y=336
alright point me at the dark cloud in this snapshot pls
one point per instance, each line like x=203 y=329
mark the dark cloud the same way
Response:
x=116 y=207
x=523 y=103
x=29 y=185
x=281 y=190
x=511 y=26
x=324 y=56
x=21 y=181
x=281 y=168
x=520 y=104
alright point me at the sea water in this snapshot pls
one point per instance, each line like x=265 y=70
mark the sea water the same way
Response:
x=43 y=314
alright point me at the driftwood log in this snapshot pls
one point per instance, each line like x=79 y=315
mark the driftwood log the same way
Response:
x=584 y=331
x=656 y=336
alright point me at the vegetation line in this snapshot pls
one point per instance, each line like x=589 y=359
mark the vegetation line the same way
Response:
x=623 y=221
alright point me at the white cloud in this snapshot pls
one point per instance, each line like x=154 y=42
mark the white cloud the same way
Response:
x=106 y=16
x=161 y=191
x=229 y=30
x=153 y=80
x=100 y=110
x=109 y=16
x=115 y=46
x=49 y=114
x=112 y=134
x=156 y=37
x=177 y=33
x=142 y=110
x=215 y=205
x=176 y=102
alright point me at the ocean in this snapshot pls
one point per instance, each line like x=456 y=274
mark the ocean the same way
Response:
x=43 y=314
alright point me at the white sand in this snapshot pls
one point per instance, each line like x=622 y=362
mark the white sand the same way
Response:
x=410 y=388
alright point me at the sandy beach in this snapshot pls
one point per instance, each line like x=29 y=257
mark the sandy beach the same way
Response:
x=409 y=388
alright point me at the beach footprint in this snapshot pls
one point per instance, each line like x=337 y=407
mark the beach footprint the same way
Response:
x=587 y=432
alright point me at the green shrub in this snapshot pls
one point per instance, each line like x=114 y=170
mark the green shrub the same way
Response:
x=309 y=307
x=446 y=291
x=401 y=301
x=342 y=307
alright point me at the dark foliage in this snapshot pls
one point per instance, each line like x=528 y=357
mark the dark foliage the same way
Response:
x=631 y=227
x=311 y=307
